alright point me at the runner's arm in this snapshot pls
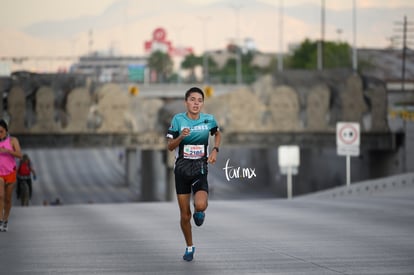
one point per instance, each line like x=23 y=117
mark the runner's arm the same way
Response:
x=217 y=140
x=174 y=142
x=16 y=152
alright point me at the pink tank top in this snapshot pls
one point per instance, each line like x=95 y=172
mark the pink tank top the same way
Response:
x=7 y=161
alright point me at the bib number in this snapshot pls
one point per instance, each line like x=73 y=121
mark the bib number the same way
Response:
x=193 y=151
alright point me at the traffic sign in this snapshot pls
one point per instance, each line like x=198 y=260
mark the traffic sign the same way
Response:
x=347 y=134
x=347 y=143
x=289 y=161
x=347 y=150
x=348 y=138
x=289 y=155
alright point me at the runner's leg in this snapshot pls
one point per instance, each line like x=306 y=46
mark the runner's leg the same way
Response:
x=185 y=217
x=200 y=201
x=2 y=198
x=8 y=200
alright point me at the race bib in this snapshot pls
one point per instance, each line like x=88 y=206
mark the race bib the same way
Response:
x=193 y=151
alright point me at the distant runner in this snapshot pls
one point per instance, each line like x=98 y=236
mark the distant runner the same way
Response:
x=9 y=150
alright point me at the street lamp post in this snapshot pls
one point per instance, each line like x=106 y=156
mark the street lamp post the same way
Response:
x=354 y=47
x=280 y=56
x=320 y=44
x=239 y=76
x=179 y=30
x=205 y=55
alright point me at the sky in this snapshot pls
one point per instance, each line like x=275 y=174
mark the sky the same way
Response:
x=19 y=18
x=32 y=11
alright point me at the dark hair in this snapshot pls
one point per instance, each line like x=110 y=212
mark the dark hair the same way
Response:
x=3 y=124
x=194 y=90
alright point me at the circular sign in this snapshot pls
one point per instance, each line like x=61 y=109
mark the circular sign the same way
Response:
x=159 y=35
x=348 y=134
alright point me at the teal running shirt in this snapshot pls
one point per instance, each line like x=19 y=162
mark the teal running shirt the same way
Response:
x=195 y=145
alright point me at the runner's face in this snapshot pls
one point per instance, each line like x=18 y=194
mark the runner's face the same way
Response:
x=3 y=132
x=194 y=103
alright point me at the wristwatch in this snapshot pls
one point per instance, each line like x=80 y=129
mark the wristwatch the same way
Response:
x=216 y=148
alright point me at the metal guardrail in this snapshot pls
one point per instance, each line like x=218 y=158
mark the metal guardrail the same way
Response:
x=366 y=187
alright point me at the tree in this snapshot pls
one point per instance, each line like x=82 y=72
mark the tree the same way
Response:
x=248 y=71
x=304 y=57
x=228 y=72
x=212 y=68
x=162 y=64
x=335 y=55
x=190 y=62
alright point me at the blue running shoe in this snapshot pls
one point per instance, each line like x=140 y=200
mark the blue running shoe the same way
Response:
x=199 y=218
x=189 y=254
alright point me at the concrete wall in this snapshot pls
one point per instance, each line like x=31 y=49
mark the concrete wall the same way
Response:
x=319 y=169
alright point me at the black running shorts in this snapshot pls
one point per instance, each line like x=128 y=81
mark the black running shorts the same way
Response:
x=184 y=185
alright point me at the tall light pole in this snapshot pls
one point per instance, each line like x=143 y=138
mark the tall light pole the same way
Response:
x=204 y=20
x=238 y=53
x=90 y=41
x=280 y=55
x=179 y=29
x=354 y=47
x=320 y=44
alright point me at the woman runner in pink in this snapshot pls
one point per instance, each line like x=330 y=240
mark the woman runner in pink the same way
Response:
x=9 y=150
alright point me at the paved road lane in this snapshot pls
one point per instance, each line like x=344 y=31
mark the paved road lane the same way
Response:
x=361 y=234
